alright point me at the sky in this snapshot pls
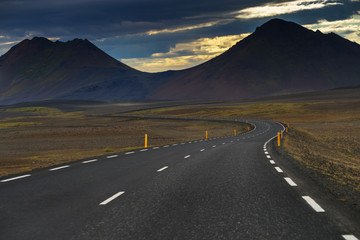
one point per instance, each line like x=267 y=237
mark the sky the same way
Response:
x=161 y=35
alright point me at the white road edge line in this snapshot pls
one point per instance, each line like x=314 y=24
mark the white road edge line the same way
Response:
x=162 y=169
x=15 y=178
x=111 y=198
x=290 y=181
x=278 y=169
x=112 y=156
x=127 y=153
x=187 y=156
x=349 y=237
x=58 y=168
x=89 y=161
x=313 y=204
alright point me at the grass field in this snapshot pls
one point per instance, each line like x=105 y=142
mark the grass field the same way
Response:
x=35 y=137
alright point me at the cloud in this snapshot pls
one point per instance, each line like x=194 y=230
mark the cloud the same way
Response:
x=348 y=28
x=185 y=55
x=274 y=9
x=186 y=28
x=9 y=43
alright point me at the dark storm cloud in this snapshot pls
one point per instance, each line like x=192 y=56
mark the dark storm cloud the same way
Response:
x=139 y=28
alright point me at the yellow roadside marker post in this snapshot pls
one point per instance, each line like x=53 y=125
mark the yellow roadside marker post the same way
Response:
x=206 y=135
x=286 y=129
x=145 y=140
x=278 y=137
x=234 y=132
x=248 y=128
x=282 y=134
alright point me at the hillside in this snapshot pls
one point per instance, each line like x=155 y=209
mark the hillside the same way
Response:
x=280 y=57
x=40 y=69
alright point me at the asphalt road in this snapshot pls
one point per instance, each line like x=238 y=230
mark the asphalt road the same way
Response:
x=225 y=188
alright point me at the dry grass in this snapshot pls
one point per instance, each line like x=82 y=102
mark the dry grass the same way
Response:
x=48 y=137
x=325 y=137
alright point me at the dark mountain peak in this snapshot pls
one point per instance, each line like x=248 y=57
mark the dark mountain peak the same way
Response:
x=281 y=29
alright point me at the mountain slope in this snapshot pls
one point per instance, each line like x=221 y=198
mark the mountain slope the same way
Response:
x=280 y=57
x=40 y=69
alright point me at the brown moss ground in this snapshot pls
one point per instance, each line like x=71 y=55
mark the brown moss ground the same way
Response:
x=57 y=137
x=326 y=136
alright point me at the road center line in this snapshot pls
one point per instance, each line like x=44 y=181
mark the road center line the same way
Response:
x=349 y=237
x=155 y=147
x=166 y=146
x=202 y=150
x=279 y=169
x=175 y=144
x=313 y=204
x=58 y=168
x=162 y=169
x=214 y=146
x=111 y=198
x=187 y=156
x=89 y=161
x=272 y=161
x=143 y=150
x=112 y=156
x=290 y=181
x=266 y=152
x=15 y=178
x=129 y=153
x=268 y=156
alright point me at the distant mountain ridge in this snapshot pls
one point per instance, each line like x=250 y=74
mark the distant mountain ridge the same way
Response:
x=40 y=69
x=280 y=57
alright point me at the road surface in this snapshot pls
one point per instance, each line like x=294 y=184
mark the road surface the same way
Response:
x=225 y=188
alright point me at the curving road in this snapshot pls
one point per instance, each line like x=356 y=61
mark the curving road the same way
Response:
x=225 y=188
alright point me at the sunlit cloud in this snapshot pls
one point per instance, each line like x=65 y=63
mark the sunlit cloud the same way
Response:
x=348 y=28
x=186 y=28
x=274 y=9
x=185 y=55
x=8 y=43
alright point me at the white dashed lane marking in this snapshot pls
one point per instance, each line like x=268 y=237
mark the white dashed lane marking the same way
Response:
x=155 y=147
x=187 y=156
x=90 y=161
x=272 y=161
x=112 y=156
x=143 y=150
x=15 y=178
x=162 y=169
x=111 y=198
x=290 y=181
x=313 y=204
x=278 y=169
x=127 y=153
x=268 y=156
x=349 y=237
x=58 y=168
x=202 y=150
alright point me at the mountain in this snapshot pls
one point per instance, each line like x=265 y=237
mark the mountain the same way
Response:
x=280 y=57
x=40 y=69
